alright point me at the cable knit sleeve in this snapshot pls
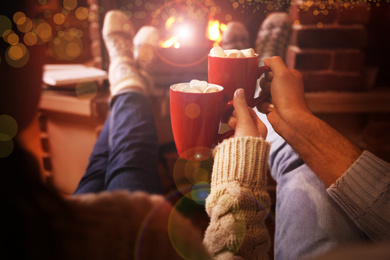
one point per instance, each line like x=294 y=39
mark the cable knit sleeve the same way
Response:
x=363 y=192
x=239 y=203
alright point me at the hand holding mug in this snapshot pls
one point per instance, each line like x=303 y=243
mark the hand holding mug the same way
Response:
x=244 y=120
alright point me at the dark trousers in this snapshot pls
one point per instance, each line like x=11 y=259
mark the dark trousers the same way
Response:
x=125 y=155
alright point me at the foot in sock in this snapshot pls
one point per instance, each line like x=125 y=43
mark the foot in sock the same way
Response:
x=118 y=33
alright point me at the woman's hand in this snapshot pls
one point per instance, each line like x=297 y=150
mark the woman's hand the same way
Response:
x=244 y=120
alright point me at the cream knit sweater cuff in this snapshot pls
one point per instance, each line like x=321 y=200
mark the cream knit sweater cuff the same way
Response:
x=242 y=160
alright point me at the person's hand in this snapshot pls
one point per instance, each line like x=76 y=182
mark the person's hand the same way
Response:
x=285 y=88
x=244 y=120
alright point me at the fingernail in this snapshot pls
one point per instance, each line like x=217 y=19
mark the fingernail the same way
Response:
x=240 y=93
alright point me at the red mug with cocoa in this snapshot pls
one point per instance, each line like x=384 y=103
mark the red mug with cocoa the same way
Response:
x=195 y=120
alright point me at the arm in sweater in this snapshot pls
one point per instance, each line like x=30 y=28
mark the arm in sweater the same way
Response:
x=363 y=192
x=358 y=182
x=239 y=203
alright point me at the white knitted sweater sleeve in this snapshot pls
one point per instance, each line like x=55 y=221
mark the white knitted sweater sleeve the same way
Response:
x=239 y=203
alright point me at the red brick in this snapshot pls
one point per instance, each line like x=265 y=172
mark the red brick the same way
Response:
x=330 y=37
x=332 y=81
x=318 y=12
x=349 y=60
x=308 y=60
x=353 y=13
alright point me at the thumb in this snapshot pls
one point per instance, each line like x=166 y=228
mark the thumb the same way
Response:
x=239 y=103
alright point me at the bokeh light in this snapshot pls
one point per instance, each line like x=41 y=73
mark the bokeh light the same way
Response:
x=200 y=191
x=17 y=55
x=12 y=38
x=187 y=173
x=183 y=207
x=59 y=18
x=73 y=50
x=26 y=26
x=6 y=148
x=44 y=31
x=16 y=51
x=30 y=39
x=67 y=45
x=19 y=18
x=192 y=110
x=8 y=128
x=70 y=4
x=81 y=13
x=201 y=175
x=5 y=24
x=86 y=89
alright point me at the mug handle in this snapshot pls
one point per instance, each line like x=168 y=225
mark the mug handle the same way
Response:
x=256 y=101
x=225 y=115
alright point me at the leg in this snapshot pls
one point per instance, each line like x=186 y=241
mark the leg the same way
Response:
x=93 y=179
x=126 y=153
x=308 y=222
x=133 y=145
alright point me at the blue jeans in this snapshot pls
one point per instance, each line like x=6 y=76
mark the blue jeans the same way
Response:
x=125 y=155
x=308 y=222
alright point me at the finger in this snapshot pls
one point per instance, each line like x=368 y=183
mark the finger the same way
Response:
x=232 y=122
x=240 y=105
x=276 y=64
x=264 y=96
x=269 y=75
x=265 y=107
x=261 y=127
x=265 y=85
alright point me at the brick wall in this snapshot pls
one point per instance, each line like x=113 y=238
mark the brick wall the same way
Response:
x=334 y=46
x=327 y=44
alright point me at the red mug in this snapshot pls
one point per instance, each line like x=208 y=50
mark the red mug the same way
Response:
x=234 y=73
x=195 y=120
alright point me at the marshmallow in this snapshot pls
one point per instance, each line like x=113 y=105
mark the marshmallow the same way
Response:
x=211 y=89
x=249 y=52
x=234 y=54
x=198 y=84
x=188 y=89
x=181 y=86
x=217 y=51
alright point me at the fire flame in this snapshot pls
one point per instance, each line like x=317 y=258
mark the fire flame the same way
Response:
x=173 y=41
x=213 y=32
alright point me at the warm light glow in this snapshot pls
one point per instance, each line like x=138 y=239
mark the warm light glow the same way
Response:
x=70 y=4
x=169 y=23
x=168 y=43
x=81 y=13
x=44 y=31
x=214 y=31
x=180 y=33
x=59 y=18
x=30 y=38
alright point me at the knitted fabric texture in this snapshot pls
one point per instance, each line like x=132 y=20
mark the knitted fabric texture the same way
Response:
x=124 y=225
x=239 y=202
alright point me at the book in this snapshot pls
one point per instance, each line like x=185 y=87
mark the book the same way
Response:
x=71 y=74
